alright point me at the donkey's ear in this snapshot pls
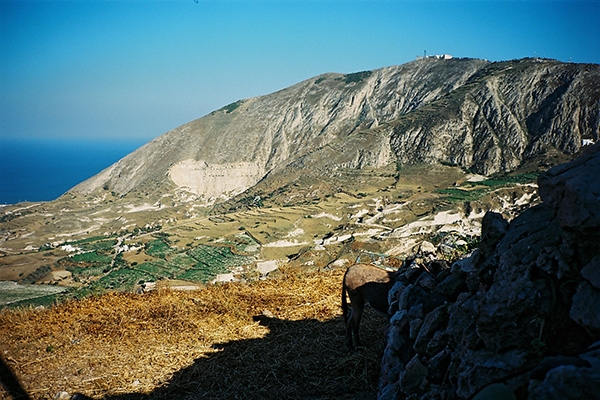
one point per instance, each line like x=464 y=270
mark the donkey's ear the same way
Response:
x=266 y=318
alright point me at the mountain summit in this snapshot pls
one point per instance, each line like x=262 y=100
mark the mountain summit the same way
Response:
x=488 y=117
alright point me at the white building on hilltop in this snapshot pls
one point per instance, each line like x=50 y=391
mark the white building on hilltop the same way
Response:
x=438 y=56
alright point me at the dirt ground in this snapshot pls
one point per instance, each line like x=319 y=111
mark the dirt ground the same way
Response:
x=271 y=339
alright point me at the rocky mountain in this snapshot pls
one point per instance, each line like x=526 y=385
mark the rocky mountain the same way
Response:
x=484 y=116
x=313 y=167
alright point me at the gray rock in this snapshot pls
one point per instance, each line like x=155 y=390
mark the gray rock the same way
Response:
x=591 y=272
x=478 y=369
x=452 y=286
x=389 y=392
x=416 y=296
x=394 y=296
x=434 y=321
x=413 y=375
x=399 y=318
x=466 y=264
x=567 y=382
x=493 y=228
x=390 y=371
x=398 y=344
x=427 y=281
x=415 y=327
x=573 y=190
x=427 y=248
x=538 y=226
x=496 y=391
x=445 y=249
x=586 y=308
x=416 y=310
x=438 y=366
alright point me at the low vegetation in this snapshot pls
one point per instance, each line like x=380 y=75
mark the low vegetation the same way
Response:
x=229 y=108
x=270 y=339
x=471 y=191
x=357 y=76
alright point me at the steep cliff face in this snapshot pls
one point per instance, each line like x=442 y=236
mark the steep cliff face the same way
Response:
x=506 y=114
x=481 y=115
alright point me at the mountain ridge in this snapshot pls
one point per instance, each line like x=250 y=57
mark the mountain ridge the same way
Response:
x=490 y=117
x=285 y=126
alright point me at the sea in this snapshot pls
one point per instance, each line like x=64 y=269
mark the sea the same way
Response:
x=44 y=169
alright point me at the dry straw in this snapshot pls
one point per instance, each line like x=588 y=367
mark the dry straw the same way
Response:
x=271 y=339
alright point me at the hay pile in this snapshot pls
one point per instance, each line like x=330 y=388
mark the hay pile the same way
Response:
x=278 y=338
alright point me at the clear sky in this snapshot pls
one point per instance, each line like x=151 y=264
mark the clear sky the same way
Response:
x=136 y=69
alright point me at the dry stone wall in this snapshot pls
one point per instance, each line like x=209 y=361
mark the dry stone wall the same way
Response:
x=520 y=315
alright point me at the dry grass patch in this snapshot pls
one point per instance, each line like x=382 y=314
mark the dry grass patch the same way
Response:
x=278 y=338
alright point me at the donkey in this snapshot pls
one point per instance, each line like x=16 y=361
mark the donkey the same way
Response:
x=364 y=284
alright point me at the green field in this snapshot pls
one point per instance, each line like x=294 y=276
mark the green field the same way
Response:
x=11 y=292
x=200 y=263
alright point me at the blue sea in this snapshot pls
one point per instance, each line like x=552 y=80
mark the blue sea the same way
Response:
x=44 y=169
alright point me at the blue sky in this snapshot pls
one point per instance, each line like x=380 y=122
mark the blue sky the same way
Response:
x=132 y=70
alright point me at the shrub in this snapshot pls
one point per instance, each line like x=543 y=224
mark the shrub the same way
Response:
x=357 y=76
x=229 y=108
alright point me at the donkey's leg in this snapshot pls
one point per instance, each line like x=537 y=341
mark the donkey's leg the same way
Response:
x=356 y=317
x=349 y=323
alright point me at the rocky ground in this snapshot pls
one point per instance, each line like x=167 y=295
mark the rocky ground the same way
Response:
x=520 y=316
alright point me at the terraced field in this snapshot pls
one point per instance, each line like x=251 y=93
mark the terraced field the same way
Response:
x=384 y=215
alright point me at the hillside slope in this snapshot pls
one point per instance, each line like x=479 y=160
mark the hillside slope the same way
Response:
x=246 y=139
x=477 y=114
x=508 y=114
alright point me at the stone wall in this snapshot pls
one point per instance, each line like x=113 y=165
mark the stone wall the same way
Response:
x=520 y=315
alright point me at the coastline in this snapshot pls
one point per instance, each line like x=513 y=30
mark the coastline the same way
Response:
x=35 y=170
